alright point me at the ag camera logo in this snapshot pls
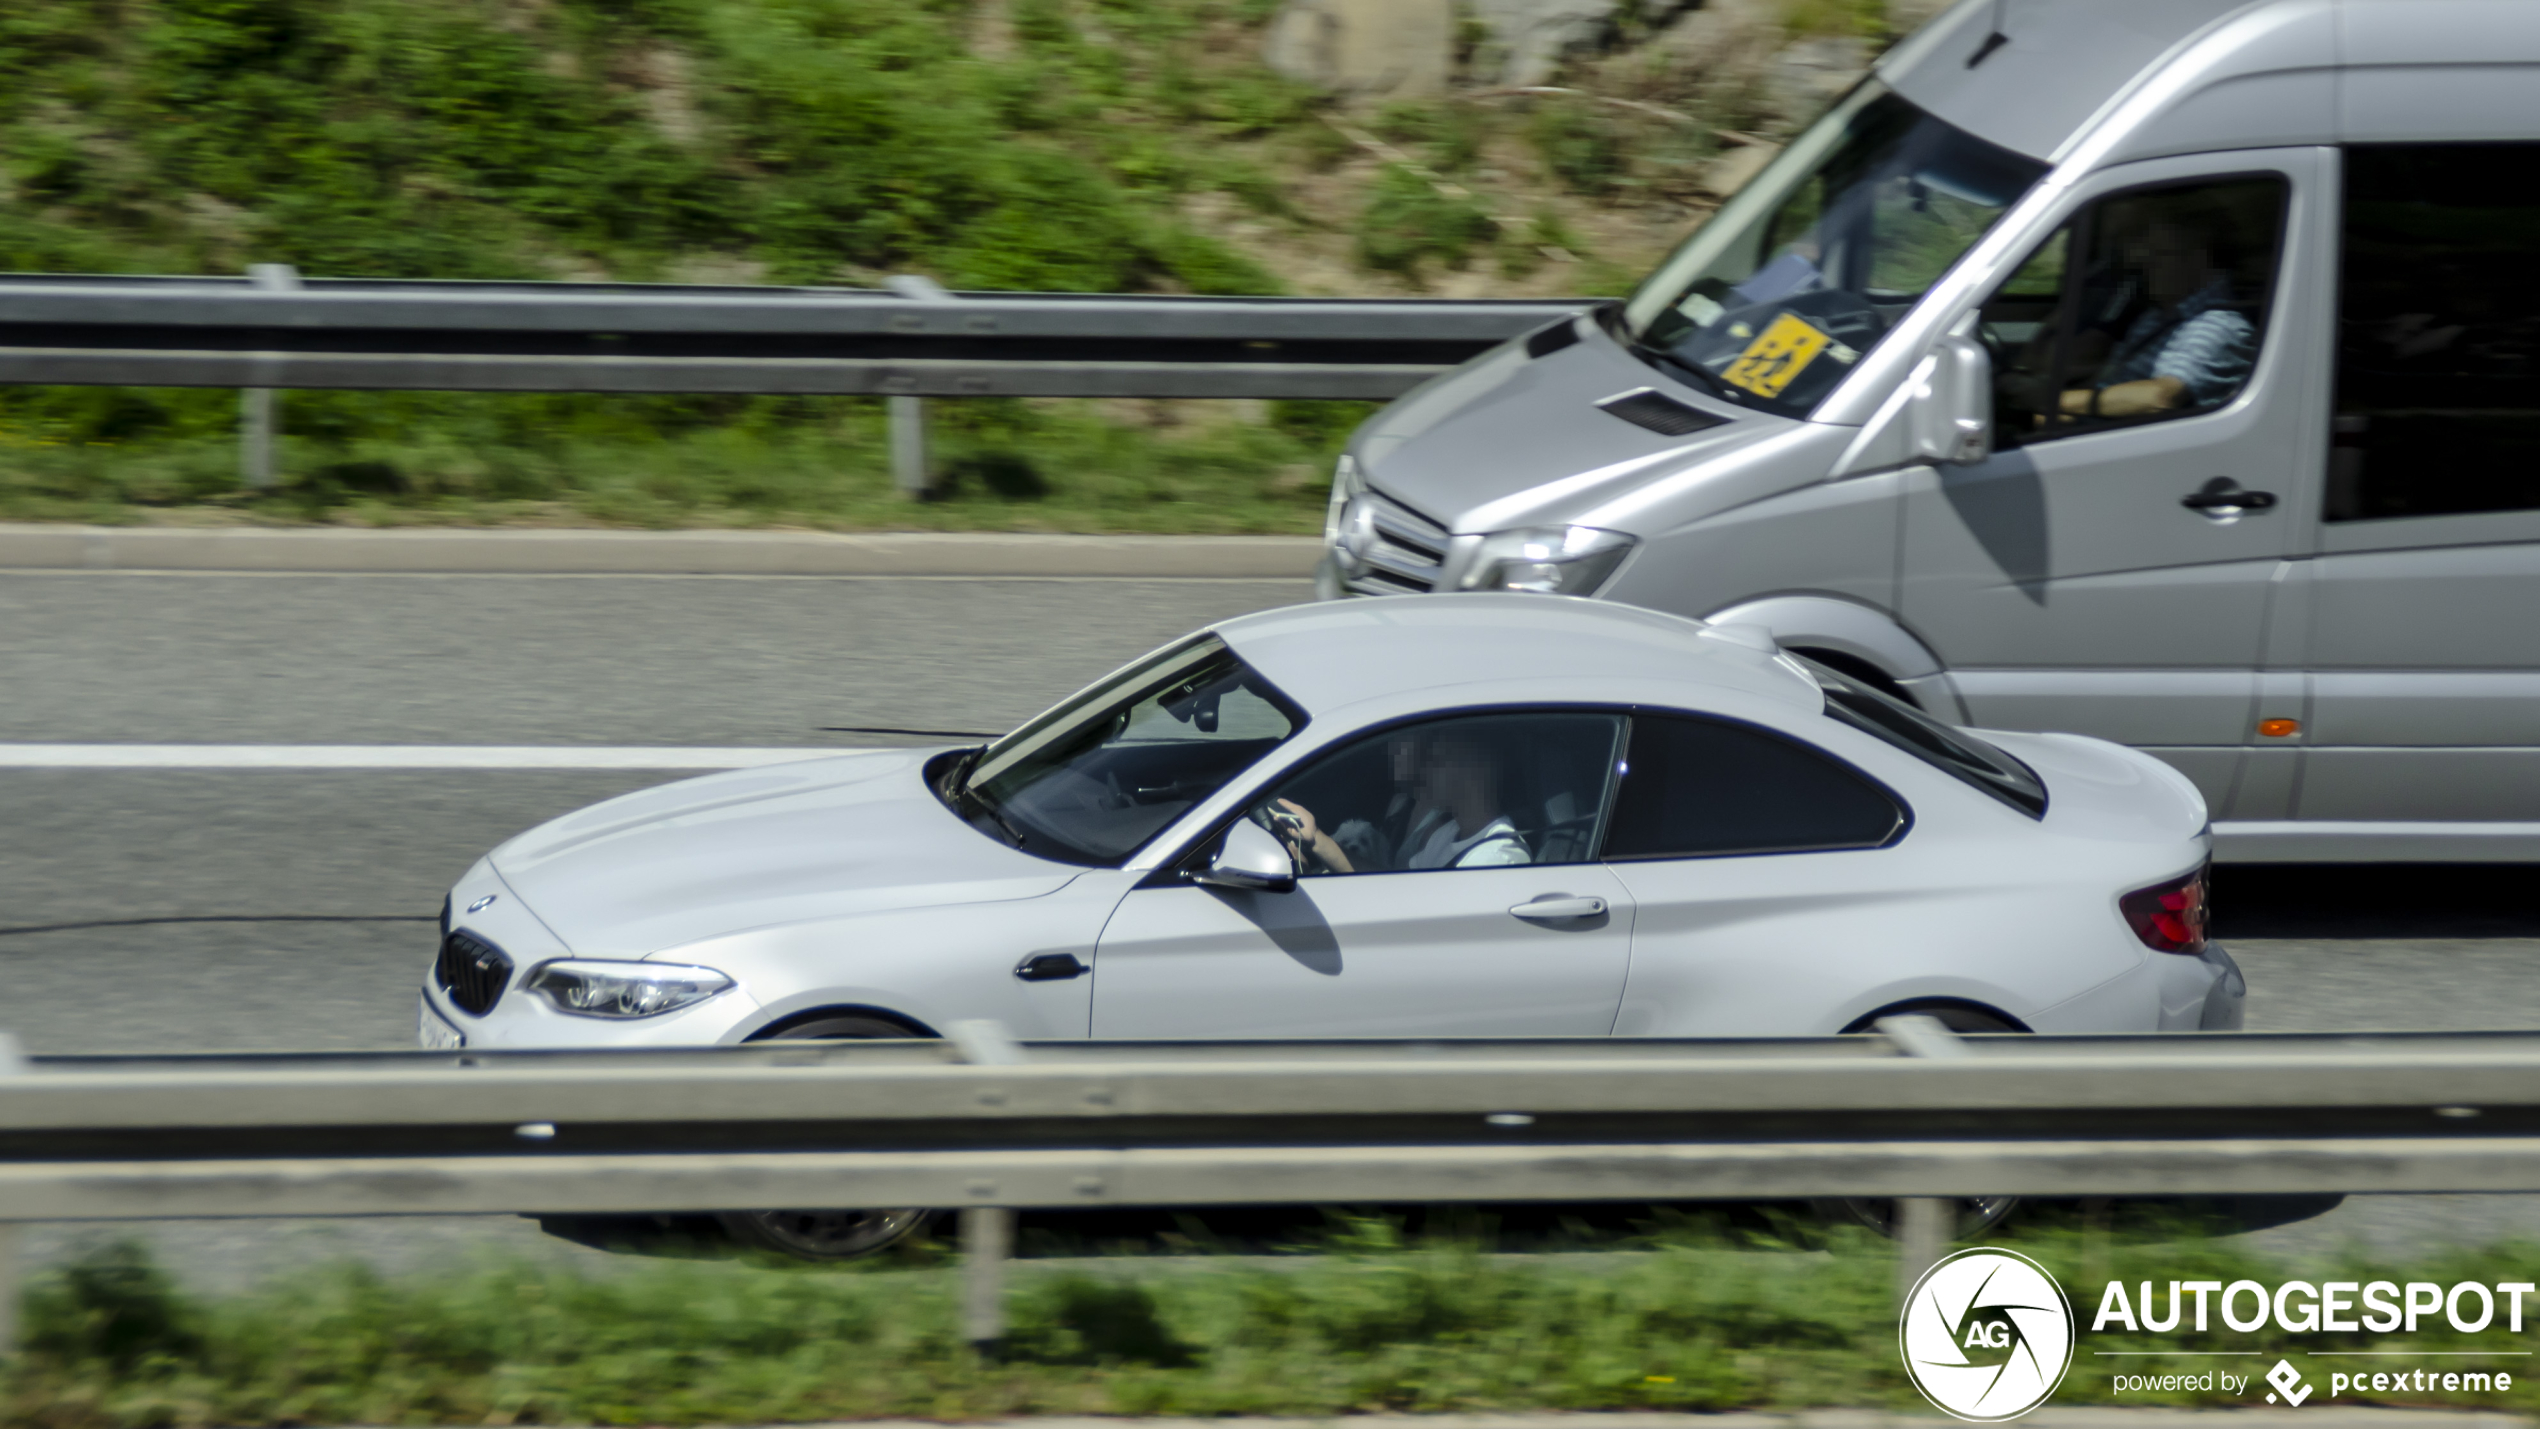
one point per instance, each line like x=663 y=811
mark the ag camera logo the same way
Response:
x=1987 y=1335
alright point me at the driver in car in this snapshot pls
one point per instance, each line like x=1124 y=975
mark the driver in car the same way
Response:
x=2185 y=349
x=1447 y=809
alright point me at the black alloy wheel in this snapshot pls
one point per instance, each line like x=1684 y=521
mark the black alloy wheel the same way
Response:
x=828 y=1235
x=1976 y=1214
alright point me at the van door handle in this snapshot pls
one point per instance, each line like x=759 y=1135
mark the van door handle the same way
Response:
x=1554 y=908
x=2222 y=494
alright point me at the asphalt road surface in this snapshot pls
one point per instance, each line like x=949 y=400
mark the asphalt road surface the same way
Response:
x=287 y=908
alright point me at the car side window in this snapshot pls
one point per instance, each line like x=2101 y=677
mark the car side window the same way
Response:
x=2148 y=305
x=1703 y=788
x=1470 y=791
x=2438 y=332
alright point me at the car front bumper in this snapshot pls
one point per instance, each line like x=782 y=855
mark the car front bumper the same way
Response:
x=523 y=1020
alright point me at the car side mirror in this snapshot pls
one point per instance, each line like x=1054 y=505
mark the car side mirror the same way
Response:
x=1252 y=859
x=1953 y=403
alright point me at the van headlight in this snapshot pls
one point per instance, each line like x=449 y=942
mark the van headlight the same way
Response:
x=589 y=987
x=1345 y=485
x=1549 y=560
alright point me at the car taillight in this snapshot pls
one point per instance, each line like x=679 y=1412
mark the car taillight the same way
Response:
x=2169 y=917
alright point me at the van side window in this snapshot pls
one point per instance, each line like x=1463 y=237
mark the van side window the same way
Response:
x=2438 y=332
x=2150 y=304
x=1702 y=788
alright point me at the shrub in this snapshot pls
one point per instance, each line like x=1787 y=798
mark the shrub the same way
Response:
x=1408 y=223
x=1578 y=144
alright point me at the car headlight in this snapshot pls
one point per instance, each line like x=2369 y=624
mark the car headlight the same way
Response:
x=588 y=987
x=1551 y=560
x=1344 y=486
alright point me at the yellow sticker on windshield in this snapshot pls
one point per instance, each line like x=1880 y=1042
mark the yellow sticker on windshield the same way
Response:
x=1770 y=362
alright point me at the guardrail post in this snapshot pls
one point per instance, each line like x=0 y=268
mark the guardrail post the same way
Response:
x=909 y=467
x=12 y=1235
x=12 y=1290
x=987 y=1238
x=1922 y=1238
x=1924 y=1224
x=255 y=404
x=987 y=1232
x=908 y=446
x=255 y=438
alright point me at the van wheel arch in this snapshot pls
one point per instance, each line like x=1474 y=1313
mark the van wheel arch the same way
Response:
x=1860 y=639
x=1859 y=669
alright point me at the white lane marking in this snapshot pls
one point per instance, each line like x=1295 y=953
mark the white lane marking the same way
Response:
x=399 y=756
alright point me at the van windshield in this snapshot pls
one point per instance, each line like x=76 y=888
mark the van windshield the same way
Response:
x=1775 y=298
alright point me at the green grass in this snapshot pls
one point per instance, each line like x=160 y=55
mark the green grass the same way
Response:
x=415 y=458
x=486 y=139
x=807 y=141
x=1703 y=1318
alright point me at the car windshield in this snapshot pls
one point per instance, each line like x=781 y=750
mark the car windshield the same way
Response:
x=1775 y=298
x=1951 y=750
x=1098 y=776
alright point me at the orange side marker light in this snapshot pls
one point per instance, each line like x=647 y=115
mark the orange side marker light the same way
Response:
x=2279 y=728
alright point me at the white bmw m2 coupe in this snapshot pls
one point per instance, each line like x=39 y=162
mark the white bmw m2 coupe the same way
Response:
x=1488 y=816
x=1432 y=816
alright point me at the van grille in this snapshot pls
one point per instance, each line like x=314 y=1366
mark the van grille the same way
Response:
x=473 y=972
x=1404 y=556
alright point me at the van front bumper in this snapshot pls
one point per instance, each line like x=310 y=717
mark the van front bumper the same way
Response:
x=1328 y=584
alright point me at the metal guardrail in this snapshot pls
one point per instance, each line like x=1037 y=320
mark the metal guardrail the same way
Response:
x=913 y=339
x=982 y=1124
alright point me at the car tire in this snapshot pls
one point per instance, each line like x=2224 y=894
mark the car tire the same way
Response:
x=1976 y=1214
x=828 y=1234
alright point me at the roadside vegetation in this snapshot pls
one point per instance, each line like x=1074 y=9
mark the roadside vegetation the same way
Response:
x=460 y=460
x=1699 y=1317
x=1103 y=145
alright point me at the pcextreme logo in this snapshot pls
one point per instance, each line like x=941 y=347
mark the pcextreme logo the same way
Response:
x=1986 y=1335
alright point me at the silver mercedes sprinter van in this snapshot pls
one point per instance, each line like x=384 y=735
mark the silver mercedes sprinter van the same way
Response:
x=2165 y=370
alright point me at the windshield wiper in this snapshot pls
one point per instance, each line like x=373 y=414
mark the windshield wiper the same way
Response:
x=1610 y=317
x=997 y=816
x=1703 y=375
x=956 y=785
x=969 y=802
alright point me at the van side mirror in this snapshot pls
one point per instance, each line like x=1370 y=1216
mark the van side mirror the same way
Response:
x=1953 y=403
x=1252 y=859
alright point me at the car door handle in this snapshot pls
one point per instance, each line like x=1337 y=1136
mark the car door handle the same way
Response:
x=1050 y=967
x=1555 y=908
x=2224 y=494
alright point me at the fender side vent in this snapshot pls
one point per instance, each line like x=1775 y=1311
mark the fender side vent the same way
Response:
x=1651 y=408
x=1543 y=342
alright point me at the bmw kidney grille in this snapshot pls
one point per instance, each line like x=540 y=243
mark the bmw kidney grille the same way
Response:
x=473 y=972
